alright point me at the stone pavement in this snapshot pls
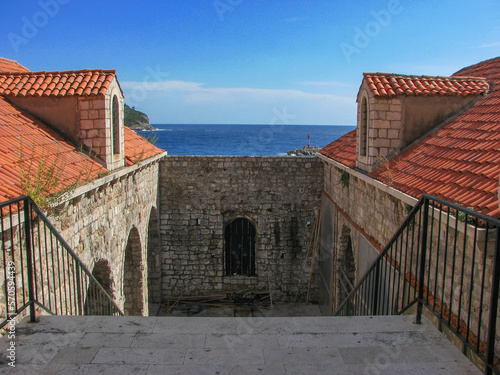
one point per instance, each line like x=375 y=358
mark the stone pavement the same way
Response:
x=232 y=346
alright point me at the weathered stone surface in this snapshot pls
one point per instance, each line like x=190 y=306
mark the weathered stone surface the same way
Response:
x=98 y=226
x=354 y=345
x=200 y=195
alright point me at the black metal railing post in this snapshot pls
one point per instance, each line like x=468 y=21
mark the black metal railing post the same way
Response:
x=376 y=291
x=29 y=258
x=423 y=251
x=492 y=329
x=79 y=308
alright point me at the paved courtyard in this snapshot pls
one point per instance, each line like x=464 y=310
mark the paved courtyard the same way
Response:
x=232 y=346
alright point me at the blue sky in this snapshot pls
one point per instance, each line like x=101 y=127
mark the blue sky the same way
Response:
x=249 y=61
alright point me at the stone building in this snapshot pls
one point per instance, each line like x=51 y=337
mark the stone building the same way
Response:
x=153 y=227
x=415 y=135
x=64 y=130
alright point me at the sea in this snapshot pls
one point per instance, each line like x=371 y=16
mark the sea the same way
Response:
x=241 y=140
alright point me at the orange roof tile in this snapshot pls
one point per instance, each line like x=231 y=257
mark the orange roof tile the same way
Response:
x=11 y=66
x=137 y=148
x=342 y=149
x=25 y=144
x=460 y=161
x=70 y=83
x=387 y=84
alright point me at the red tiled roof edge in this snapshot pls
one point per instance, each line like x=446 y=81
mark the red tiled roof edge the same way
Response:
x=459 y=161
x=342 y=150
x=484 y=67
x=84 y=82
x=390 y=85
x=11 y=66
x=138 y=148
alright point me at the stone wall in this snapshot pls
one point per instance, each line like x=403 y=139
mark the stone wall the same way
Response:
x=199 y=196
x=109 y=216
x=376 y=211
x=364 y=210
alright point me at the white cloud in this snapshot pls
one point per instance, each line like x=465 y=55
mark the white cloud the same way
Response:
x=490 y=45
x=256 y=95
x=162 y=86
x=191 y=102
x=325 y=83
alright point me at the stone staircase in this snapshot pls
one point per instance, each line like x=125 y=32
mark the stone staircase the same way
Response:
x=220 y=345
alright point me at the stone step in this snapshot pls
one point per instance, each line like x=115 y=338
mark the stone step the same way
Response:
x=220 y=345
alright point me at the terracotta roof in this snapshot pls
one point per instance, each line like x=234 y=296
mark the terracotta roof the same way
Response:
x=386 y=84
x=137 y=148
x=342 y=149
x=25 y=143
x=70 y=83
x=11 y=66
x=459 y=162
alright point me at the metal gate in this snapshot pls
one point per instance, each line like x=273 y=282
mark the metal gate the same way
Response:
x=240 y=248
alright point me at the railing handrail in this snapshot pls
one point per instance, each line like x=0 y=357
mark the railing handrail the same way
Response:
x=425 y=198
x=436 y=260
x=30 y=287
x=56 y=233
x=383 y=253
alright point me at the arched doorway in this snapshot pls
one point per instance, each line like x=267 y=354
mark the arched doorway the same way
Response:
x=95 y=303
x=154 y=262
x=132 y=275
x=240 y=238
x=346 y=270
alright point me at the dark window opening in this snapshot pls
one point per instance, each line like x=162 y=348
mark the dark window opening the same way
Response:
x=116 y=126
x=363 y=145
x=240 y=248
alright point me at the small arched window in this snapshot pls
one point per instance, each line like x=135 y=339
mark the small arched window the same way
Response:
x=115 y=125
x=240 y=238
x=363 y=136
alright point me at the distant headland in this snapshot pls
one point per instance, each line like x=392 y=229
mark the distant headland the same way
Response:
x=136 y=120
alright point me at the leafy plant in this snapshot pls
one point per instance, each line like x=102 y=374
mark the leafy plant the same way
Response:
x=152 y=138
x=344 y=179
x=463 y=217
x=41 y=176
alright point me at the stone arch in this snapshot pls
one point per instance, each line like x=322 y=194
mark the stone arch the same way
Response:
x=346 y=265
x=95 y=304
x=132 y=275
x=240 y=237
x=154 y=261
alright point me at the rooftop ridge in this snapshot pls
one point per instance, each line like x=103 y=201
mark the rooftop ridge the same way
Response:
x=8 y=60
x=479 y=65
x=60 y=72
x=452 y=77
x=392 y=84
x=57 y=84
x=7 y=65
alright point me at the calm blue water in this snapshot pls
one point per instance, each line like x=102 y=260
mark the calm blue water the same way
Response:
x=242 y=140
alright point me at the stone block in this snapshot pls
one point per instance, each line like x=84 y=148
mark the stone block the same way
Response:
x=393 y=116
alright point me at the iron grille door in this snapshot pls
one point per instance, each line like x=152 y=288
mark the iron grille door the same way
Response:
x=240 y=248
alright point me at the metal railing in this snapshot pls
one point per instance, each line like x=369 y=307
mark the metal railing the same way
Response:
x=41 y=271
x=444 y=257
